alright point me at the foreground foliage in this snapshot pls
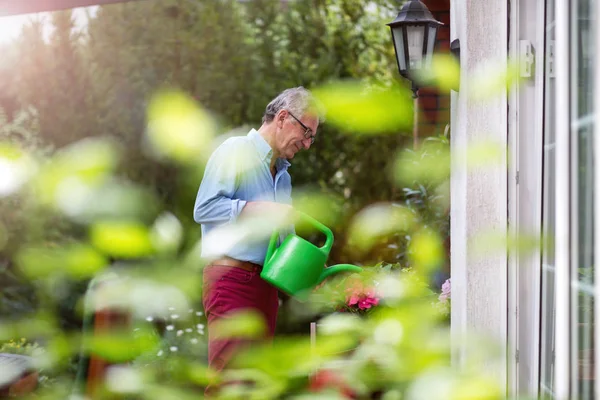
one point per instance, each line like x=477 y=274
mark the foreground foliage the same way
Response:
x=98 y=187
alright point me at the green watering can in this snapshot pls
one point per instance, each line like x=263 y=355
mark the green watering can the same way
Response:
x=298 y=265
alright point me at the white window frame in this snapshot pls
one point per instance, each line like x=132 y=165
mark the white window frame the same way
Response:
x=597 y=201
x=566 y=206
x=525 y=177
x=563 y=192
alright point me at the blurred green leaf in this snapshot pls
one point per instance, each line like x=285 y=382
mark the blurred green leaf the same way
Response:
x=189 y=282
x=242 y=324
x=251 y=384
x=444 y=72
x=444 y=384
x=122 y=239
x=393 y=394
x=169 y=392
x=488 y=243
x=59 y=350
x=202 y=374
x=121 y=346
x=292 y=356
x=353 y=106
x=493 y=79
x=39 y=325
x=323 y=207
x=484 y=154
x=76 y=260
x=389 y=331
x=376 y=221
x=3 y=236
x=479 y=387
x=167 y=233
x=431 y=163
x=338 y=324
x=330 y=394
x=143 y=296
x=86 y=163
x=10 y=152
x=178 y=128
x=16 y=167
x=124 y=380
x=426 y=250
x=111 y=200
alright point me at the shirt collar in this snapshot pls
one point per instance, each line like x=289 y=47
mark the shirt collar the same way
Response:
x=264 y=150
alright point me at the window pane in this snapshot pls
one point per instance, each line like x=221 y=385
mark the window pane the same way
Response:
x=582 y=273
x=548 y=217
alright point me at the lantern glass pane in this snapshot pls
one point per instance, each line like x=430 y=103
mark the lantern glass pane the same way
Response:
x=430 y=45
x=416 y=35
x=398 y=33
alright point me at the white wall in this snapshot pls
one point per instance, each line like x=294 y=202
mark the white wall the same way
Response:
x=479 y=194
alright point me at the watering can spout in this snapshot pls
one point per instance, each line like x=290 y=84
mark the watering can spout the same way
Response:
x=334 y=269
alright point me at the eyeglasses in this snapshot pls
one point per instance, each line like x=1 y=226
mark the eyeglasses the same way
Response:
x=308 y=133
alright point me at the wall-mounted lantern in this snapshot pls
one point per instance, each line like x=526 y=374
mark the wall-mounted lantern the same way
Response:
x=414 y=32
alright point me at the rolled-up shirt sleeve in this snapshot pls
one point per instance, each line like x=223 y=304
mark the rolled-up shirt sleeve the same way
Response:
x=214 y=201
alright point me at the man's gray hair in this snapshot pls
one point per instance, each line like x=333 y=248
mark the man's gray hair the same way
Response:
x=296 y=100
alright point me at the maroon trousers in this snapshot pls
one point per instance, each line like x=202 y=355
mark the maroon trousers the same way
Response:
x=228 y=290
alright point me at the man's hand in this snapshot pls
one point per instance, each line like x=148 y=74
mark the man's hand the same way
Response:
x=281 y=213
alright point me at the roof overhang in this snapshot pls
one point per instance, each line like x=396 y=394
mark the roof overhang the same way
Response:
x=15 y=7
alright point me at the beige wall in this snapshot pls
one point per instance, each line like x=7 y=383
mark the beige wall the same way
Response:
x=479 y=194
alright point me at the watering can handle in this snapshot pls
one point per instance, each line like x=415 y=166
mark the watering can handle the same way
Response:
x=326 y=231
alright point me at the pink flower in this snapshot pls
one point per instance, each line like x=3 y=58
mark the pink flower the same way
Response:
x=353 y=299
x=446 y=286
x=361 y=297
x=446 y=291
x=368 y=302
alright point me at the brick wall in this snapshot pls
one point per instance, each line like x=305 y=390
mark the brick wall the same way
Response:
x=434 y=105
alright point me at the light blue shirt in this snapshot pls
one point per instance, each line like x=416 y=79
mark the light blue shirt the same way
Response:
x=238 y=172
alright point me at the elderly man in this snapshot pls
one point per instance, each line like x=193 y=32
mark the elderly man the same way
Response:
x=246 y=177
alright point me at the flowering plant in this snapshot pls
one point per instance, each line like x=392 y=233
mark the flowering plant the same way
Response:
x=354 y=293
x=446 y=292
x=360 y=298
x=444 y=299
x=362 y=293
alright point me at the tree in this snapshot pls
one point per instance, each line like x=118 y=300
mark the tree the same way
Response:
x=232 y=58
